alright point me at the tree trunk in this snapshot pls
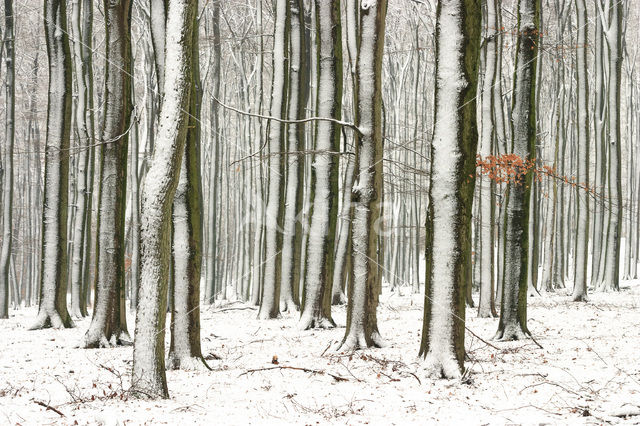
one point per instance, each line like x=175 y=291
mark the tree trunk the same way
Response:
x=316 y=301
x=513 y=309
x=298 y=96
x=365 y=284
x=108 y=325
x=486 y=304
x=582 y=196
x=53 y=283
x=7 y=175
x=453 y=163
x=270 y=297
x=149 y=378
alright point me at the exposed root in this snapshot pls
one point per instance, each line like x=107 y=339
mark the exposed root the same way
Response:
x=511 y=332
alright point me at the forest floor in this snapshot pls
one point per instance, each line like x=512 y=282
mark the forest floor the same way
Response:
x=588 y=371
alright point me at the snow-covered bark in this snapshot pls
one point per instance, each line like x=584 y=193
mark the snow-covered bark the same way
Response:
x=364 y=286
x=582 y=197
x=270 y=296
x=513 y=308
x=157 y=198
x=486 y=303
x=298 y=96
x=453 y=153
x=613 y=36
x=7 y=173
x=316 y=302
x=53 y=280
x=185 y=352
x=108 y=325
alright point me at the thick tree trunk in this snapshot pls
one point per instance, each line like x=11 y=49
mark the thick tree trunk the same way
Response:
x=453 y=161
x=298 y=96
x=53 y=283
x=7 y=174
x=316 y=302
x=270 y=297
x=613 y=35
x=486 y=304
x=108 y=325
x=582 y=196
x=513 y=309
x=157 y=198
x=366 y=280
x=185 y=352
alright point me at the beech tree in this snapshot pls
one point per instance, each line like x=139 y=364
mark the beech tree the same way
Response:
x=270 y=295
x=453 y=152
x=7 y=172
x=52 y=310
x=582 y=245
x=185 y=352
x=364 y=286
x=149 y=376
x=513 y=308
x=109 y=325
x=316 y=300
x=298 y=96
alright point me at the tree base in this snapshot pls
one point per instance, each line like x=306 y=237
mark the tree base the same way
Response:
x=289 y=305
x=309 y=322
x=441 y=367
x=357 y=340
x=100 y=341
x=51 y=320
x=511 y=332
x=186 y=363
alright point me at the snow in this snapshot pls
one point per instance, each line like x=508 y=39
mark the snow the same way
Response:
x=589 y=366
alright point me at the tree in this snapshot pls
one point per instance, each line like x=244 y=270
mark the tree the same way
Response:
x=108 y=325
x=316 y=299
x=185 y=352
x=513 y=308
x=612 y=32
x=582 y=197
x=7 y=187
x=451 y=188
x=81 y=64
x=486 y=304
x=298 y=96
x=52 y=310
x=365 y=284
x=270 y=297
x=149 y=376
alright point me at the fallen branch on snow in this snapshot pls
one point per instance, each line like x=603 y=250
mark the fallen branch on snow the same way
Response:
x=306 y=370
x=49 y=407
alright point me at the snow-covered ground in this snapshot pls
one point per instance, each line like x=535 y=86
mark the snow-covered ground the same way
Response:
x=588 y=371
